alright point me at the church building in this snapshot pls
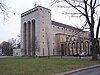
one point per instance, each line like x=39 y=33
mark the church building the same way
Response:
x=40 y=36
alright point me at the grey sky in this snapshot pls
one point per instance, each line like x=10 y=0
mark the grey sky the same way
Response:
x=11 y=27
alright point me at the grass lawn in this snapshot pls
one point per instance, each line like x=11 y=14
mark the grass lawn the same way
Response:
x=40 y=66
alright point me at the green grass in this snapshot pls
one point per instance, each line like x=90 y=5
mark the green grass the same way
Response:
x=40 y=66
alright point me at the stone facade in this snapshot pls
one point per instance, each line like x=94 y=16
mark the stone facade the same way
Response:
x=42 y=37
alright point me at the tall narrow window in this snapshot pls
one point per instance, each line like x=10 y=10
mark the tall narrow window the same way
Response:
x=42 y=29
x=24 y=38
x=42 y=16
x=29 y=41
x=33 y=37
x=42 y=22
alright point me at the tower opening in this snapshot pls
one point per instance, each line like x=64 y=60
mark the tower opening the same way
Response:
x=24 y=38
x=29 y=31
x=33 y=37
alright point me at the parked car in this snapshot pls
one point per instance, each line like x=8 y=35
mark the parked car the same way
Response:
x=76 y=54
x=3 y=54
x=82 y=54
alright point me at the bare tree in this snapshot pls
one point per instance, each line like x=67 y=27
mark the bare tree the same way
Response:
x=89 y=10
x=12 y=41
x=7 y=48
x=3 y=9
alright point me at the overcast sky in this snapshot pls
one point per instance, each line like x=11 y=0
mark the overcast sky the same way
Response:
x=10 y=28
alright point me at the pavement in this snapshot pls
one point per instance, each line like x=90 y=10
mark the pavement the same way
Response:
x=93 y=71
x=86 y=57
x=9 y=56
x=79 y=70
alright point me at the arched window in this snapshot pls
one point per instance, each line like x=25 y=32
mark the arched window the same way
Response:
x=87 y=50
x=29 y=40
x=24 y=38
x=33 y=37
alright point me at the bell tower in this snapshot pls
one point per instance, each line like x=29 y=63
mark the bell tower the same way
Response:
x=35 y=24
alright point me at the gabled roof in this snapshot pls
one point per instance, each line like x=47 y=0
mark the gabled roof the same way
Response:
x=64 y=25
x=33 y=10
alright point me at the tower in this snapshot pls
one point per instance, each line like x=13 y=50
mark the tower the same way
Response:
x=35 y=24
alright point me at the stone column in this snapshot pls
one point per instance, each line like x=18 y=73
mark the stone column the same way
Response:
x=24 y=38
x=28 y=38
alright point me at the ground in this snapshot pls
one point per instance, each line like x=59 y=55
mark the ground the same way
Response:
x=41 y=66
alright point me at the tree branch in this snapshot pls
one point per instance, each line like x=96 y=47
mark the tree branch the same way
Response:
x=83 y=27
x=3 y=9
x=87 y=18
x=94 y=3
x=97 y=31
x=97 y=5
x=92 y=13
x=75 y=7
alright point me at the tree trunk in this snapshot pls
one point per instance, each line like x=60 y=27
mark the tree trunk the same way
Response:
x=94 y=49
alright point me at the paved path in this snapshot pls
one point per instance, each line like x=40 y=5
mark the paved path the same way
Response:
x=91 y=70
x=9 y=56
x=87 y=57
x=94 y=71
